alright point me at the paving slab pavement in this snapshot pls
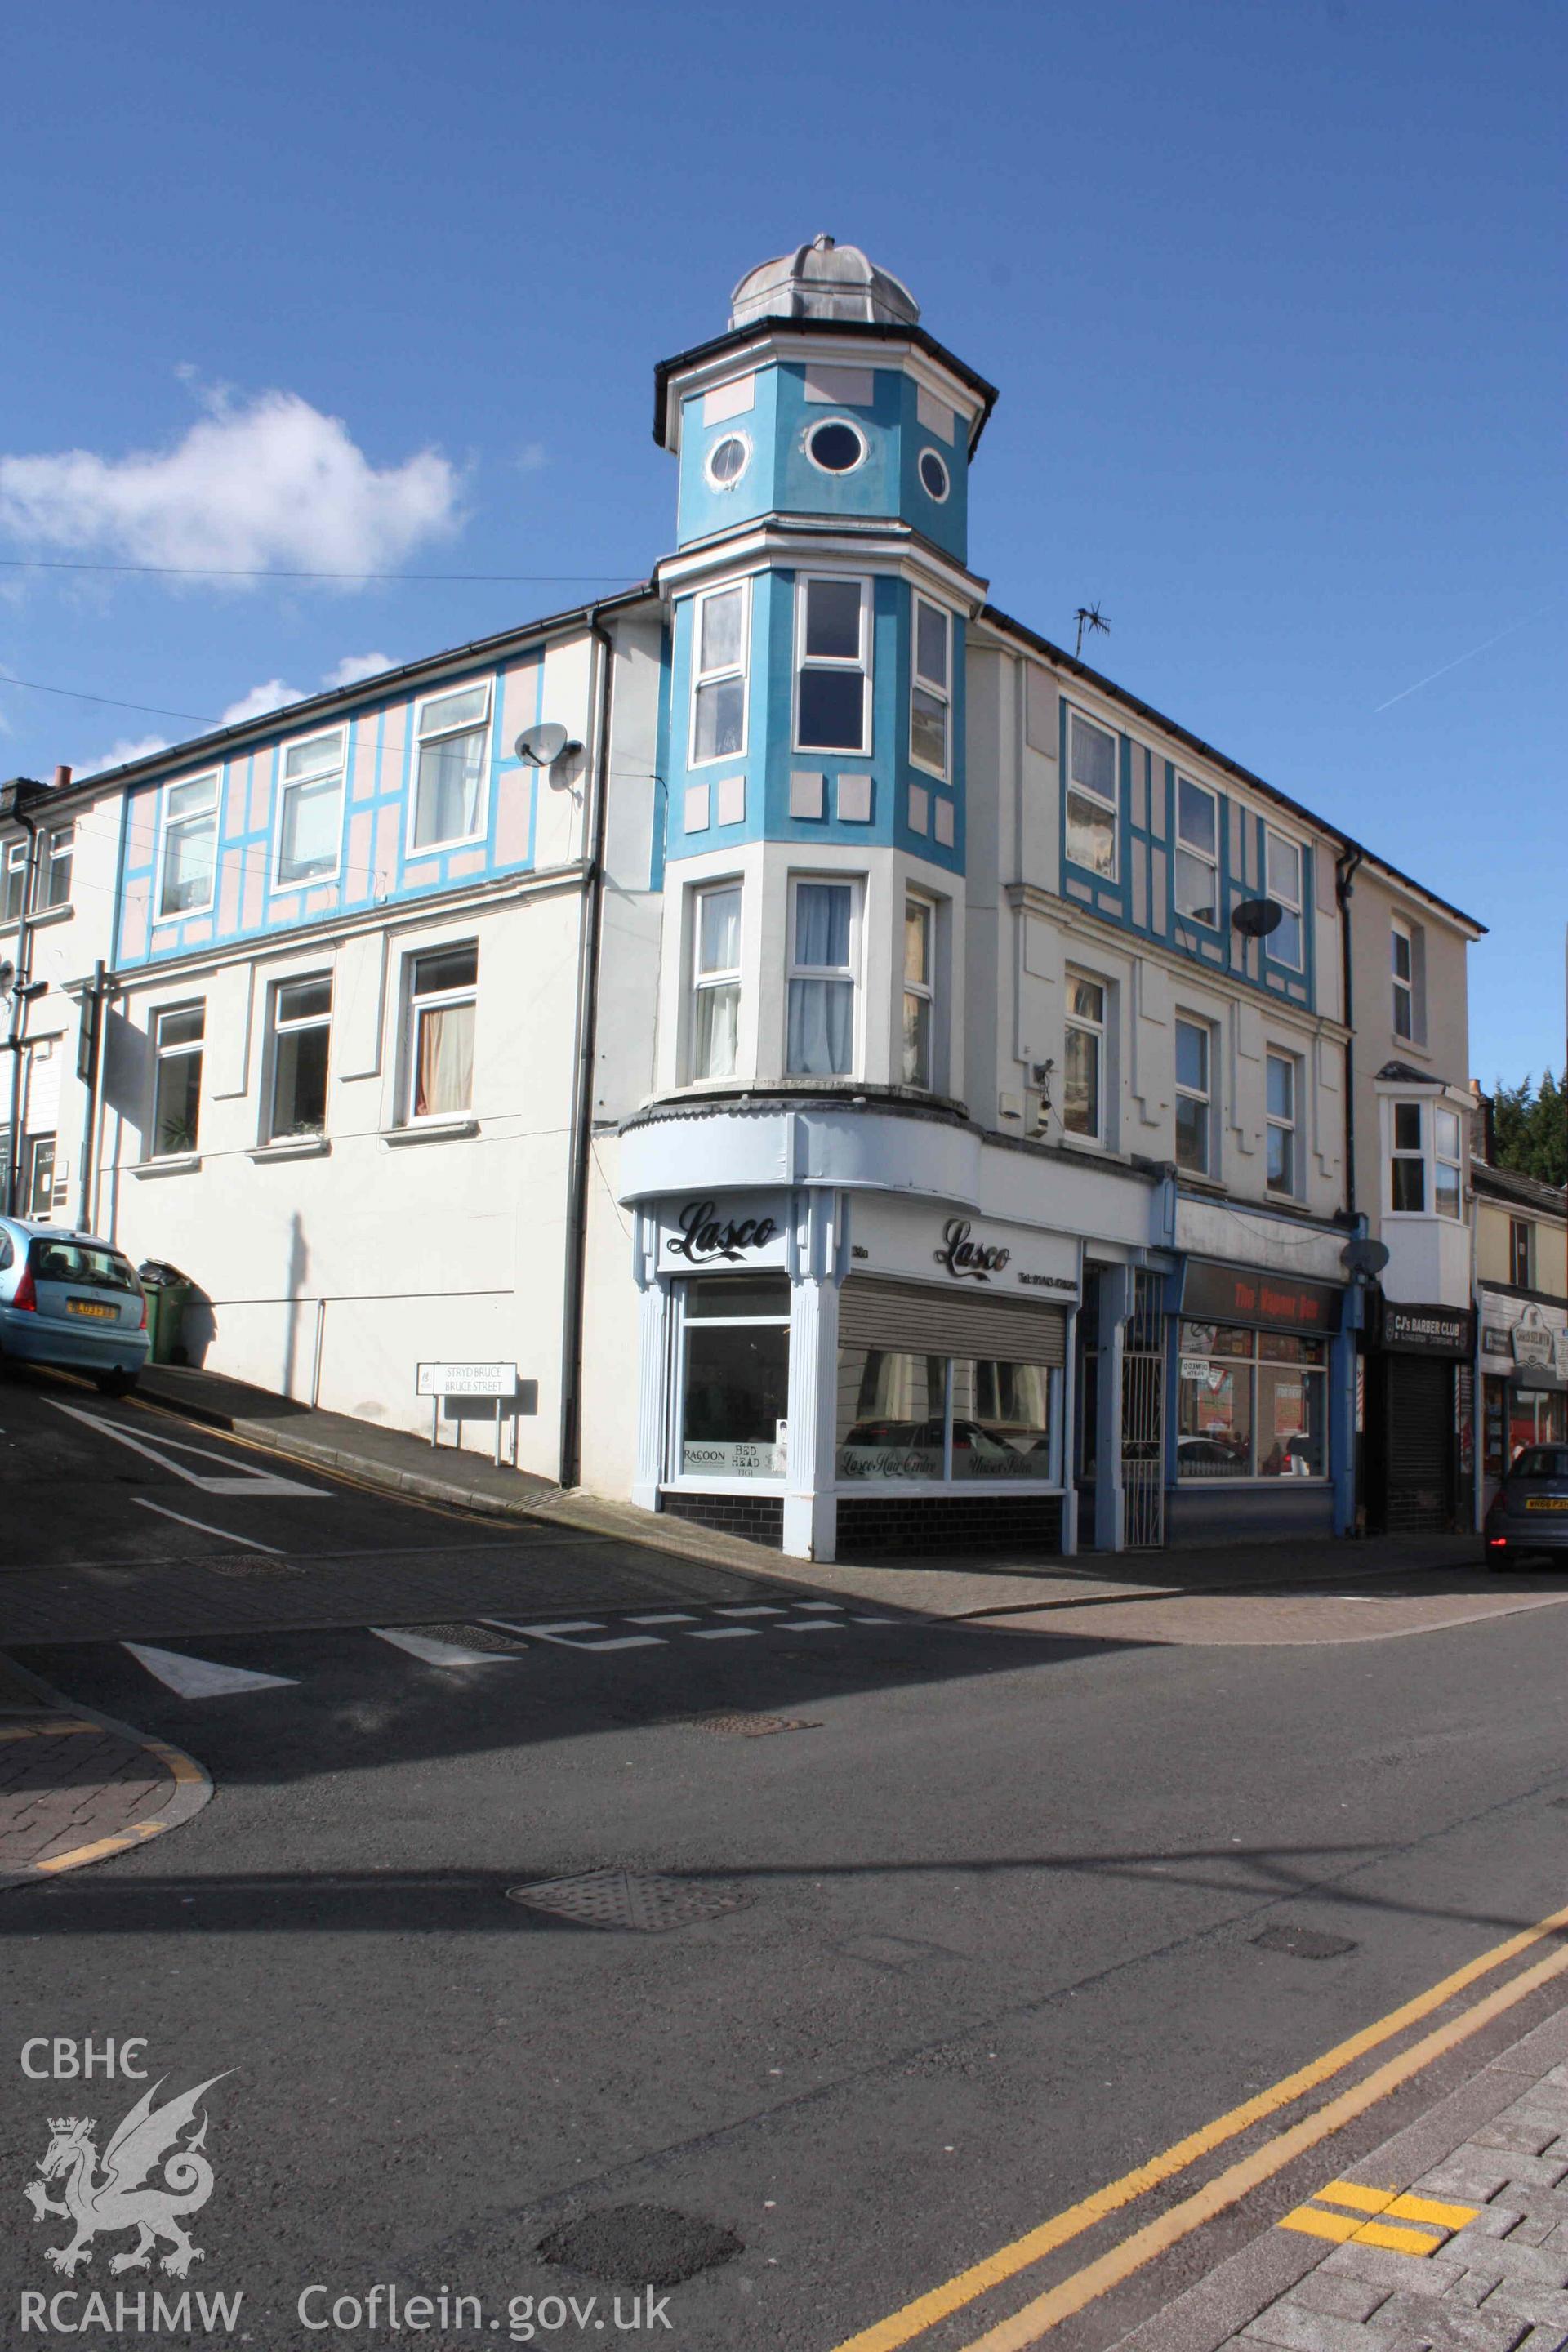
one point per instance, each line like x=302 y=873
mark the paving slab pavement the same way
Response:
x=77 y=1787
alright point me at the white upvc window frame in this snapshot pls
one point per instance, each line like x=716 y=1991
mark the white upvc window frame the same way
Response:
x=701 y=981
x=1273 y=838
x=60 y=851
x=280 y=1024
x=1098 y=1029
x=1400 y=935
x=1288 y=1124
x=1419 y=1152
x=415 y=1005
x=335 y=775
x=721 y=673
x=939 y=691
x=414 y=849
x=851 y=971
x=920 y=989
x=13 y=861
x=1204 y=1094
x=168 y=827
x=1076 y=718
x=1454 y=1161
x=179 y=1049
x=843 y=664
x=1206 y=857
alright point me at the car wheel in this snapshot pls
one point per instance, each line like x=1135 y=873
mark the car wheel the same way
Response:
x=114 y=1383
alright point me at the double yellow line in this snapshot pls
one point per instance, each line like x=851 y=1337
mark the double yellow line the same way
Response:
x=1034 y=2321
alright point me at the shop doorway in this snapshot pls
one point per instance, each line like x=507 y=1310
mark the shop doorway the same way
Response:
x=1143 y=1418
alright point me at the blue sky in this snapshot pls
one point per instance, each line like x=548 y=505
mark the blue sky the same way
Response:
x=1270 y=289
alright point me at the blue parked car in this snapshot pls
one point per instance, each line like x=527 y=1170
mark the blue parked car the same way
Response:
x=68 y=1298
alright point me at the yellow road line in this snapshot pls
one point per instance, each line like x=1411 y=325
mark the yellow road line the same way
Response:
x=1398 y=2242
x=1340 y=2227
x=49 y=1727
x=1427 y=2208
x=968 y=2285
x=100 y=1847
x=1037 y=2318
x=1351 y=2193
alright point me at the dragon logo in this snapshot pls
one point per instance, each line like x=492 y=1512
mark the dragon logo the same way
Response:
x=124 y=2195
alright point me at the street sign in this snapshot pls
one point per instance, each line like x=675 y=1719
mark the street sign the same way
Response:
x=467 y=1380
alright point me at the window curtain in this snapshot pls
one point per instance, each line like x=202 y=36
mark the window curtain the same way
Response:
x=822 y=1012
x=717 y=1025
x=449 y=780
x=444 y=1080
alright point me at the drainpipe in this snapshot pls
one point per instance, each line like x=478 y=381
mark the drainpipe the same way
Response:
x=22 y=990
x=90 y=1070
x=1344 y=890
x=587 y=1029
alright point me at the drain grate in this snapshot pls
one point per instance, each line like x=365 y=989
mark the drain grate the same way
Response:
x=253 y=1563
x=1304 y=1943
x=744 y=1727
x=627 y=1899
x=472 y=1637
x=636 y=2245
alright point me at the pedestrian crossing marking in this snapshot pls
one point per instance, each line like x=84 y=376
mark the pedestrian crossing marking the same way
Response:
x=1375 y=2217
x=190 y=1677
x=432 y=1653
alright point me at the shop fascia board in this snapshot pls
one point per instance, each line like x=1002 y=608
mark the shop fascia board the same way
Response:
x=1237 y=1236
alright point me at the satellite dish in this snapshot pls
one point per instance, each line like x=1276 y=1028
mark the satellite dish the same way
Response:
x=7 y=974
x=543 y=746
x=1364 y=1256
x=1256 y=917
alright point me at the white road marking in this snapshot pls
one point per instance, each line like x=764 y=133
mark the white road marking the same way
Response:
x=556 y=1625
x=236 y=1481
x=439 y=1653
x=199 y=1677
x=727 y=1634
x=834 y=1605
x=243 y=1543
x=810 y=1625
x=559 y=1635
x=666 y=1617
x=764 y=1609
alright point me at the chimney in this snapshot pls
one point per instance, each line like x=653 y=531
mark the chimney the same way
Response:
x=62 y=778
x=1483 y=1128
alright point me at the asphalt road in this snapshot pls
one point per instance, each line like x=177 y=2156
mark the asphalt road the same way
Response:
x=981 y=1920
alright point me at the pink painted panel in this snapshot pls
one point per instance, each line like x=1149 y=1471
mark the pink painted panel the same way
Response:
x=230 y=888
x=137 y=917
x=362 y=783
x=470 y=861
x=198 y=934
x=141 y=833
x=387 y=822
x=356 y=875
x=255 y=881
x=422 y=877
x=515 y=789
x=261 y=793
x=318 y=901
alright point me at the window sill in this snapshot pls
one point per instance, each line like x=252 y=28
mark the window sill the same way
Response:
x=428 y=1131
x=185 y=1163
x=292 y=1147
x=1190 y=1178
x=36 y=921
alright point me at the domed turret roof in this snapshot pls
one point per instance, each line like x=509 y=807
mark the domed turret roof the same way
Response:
x=823 y=280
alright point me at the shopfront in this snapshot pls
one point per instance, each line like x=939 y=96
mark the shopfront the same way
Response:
x=1420 y=1418
x=1523 y=1360
x=1256 y=1358
x=845 y=1369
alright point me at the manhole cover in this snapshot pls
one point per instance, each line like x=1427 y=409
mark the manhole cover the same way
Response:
x=472 y=1637
x=1304 y=1943
x=253 y=1563
x=626 y=1899
x=747 y=1727
x=634 y=2245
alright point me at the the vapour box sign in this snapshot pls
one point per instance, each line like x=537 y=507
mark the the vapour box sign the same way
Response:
x=723 y=1233
x=124 y=2173
x=927 y=1241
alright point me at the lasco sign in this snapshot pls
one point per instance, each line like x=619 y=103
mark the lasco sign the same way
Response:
x=707 y=1234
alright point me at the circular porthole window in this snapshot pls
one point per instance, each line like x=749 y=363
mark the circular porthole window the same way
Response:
x=728 y=460
x=934 y=476
x=835 y=445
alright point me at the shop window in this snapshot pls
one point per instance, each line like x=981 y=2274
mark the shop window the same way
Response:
x=1284 y=943
x=310 y=820
x=1448 y=1188
x=1091 y=798
x=734 y=1386
x=719 y=675
x=442 y=998
x=1194 y=1105
x=1198 y=852
x=188 y=858
x=716 y=982
x=929 y=689
x=941 y=1420
x=301 y=1032
x=833 y=665
x=1083 y=1077
x=1251 y=1404
x=1403 y=947
x=1520 y=1254
x=1408 y=1164
x=920 y=989
x=1282 y=1173
x=177 y=1039
x=453 y=736
x=824 y=945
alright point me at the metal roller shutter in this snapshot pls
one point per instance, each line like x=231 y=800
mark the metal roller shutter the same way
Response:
x=917 y=1319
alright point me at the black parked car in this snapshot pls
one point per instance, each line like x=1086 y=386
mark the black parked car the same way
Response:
x=1530 y=1510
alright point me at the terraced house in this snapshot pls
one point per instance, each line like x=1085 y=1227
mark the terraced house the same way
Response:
x=880 y=1082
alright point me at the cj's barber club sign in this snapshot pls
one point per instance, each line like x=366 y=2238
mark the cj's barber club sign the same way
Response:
x=706 y=1235
x=965 y=1259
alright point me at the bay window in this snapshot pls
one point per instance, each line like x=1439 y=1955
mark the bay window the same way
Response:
x=919 y=926
x=1407 y=1163
x=929 y=689
x=1447 y=1189
x=824 y=949
x=715 y=1010
x=833 y=626
x=719 y=674
x=1092 y=805
x=1251 y=1404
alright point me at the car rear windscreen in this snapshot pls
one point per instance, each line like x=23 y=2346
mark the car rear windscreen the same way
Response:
x=83 y=1261
x=1542 y=1462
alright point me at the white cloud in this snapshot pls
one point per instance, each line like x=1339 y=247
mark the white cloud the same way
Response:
x=258 y=485
x=261 y=700
x=531 y=456
x=119 y=754
x=354 y=667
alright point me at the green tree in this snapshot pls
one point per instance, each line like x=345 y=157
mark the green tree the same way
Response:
x=1531 y=1128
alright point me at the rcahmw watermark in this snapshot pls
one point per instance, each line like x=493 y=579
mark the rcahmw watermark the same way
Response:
x=527 y=2317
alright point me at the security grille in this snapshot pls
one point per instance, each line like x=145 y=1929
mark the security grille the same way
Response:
x=1143 y=1419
